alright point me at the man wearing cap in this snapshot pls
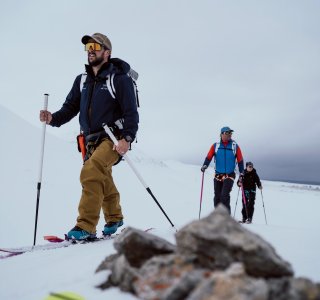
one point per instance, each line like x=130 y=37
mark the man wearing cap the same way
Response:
x=93 y=99
x=249 y=182
x=226 y=153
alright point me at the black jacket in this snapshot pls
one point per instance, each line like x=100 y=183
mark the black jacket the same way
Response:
x=250 y=180
x=95 y=103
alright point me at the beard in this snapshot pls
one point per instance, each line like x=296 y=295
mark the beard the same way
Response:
x=97 y=61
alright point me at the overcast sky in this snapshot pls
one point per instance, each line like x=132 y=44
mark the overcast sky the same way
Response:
x=251 y=65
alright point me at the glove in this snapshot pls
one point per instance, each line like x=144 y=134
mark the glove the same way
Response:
x=203 y=168
x=260 y=187
x=241 y=178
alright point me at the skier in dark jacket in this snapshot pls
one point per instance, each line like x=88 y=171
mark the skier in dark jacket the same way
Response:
x=249 y=181
x=226 y=154
x=95 y=100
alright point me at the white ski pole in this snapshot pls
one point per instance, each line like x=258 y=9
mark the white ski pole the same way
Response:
x=264 y=210
x=43 y=136
x=234 y=213
x=128 y=160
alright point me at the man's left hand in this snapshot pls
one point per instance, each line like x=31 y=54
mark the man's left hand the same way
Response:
x=241 y=177
x=122 y=147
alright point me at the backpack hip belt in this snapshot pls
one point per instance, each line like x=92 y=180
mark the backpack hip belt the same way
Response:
x=222 y=177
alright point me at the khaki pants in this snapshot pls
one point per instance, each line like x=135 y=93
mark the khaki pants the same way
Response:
x=98 y=189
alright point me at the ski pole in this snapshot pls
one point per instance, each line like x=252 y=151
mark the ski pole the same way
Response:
x=201 y=194
x=265 y=217
x=244 y=200
x=128 y=160
x=234 y=213
x=45 y=107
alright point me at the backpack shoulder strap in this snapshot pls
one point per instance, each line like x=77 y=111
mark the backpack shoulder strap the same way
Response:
x=82 y=81
x=216 y=147
x=234 y=148
x=110 y=85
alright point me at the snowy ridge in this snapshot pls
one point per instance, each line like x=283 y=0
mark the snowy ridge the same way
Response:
x=305 y=187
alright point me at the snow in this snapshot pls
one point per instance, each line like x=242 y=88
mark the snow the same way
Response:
x=292 y=213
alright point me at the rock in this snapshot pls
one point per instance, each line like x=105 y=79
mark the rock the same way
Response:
x=139 y=246
x=168 y=277
x=122 y=274
x=293 y=289
x=218 y=241
x=107 y=263
x=184 y=286
x=279 y=288
x=303 y=288
x=232 y=284
x=215 y=259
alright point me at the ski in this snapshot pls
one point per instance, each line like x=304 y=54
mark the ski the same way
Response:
x=56 y=239
x=9 y=252
x=5 y=253
x=56 y=242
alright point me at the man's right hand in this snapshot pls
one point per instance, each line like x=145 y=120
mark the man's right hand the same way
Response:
x=203 y=168
x=45 y=116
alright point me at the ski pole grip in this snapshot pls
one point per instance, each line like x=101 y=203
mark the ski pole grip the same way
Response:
x=45 y=106
x=111 y=135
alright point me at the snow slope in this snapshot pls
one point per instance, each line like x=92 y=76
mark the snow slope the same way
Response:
x=292 y=213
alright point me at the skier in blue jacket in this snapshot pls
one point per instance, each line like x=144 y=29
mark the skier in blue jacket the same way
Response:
x=226 y=154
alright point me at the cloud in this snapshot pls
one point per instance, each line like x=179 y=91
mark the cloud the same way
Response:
x=252 y=65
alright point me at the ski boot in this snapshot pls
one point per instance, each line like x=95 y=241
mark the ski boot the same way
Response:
x=77 y=233
x=111 y=227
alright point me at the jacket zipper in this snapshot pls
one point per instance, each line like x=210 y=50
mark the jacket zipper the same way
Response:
x=89 y=104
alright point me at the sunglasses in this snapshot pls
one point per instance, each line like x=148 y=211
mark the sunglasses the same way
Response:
x=250 y=167
x=227 y=132
x=92 y=47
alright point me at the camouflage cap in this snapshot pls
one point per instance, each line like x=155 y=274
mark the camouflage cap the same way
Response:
x=99 y=38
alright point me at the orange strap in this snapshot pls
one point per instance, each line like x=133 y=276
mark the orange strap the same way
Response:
x=221 y=177
x=82 y=145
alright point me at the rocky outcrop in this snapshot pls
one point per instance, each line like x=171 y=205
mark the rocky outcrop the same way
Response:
x=218 y=240
x=137 y=246
x=233 y=283
x=214 y=258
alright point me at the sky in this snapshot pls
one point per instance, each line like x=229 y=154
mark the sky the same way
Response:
x=251 y=65
x=176 y=187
